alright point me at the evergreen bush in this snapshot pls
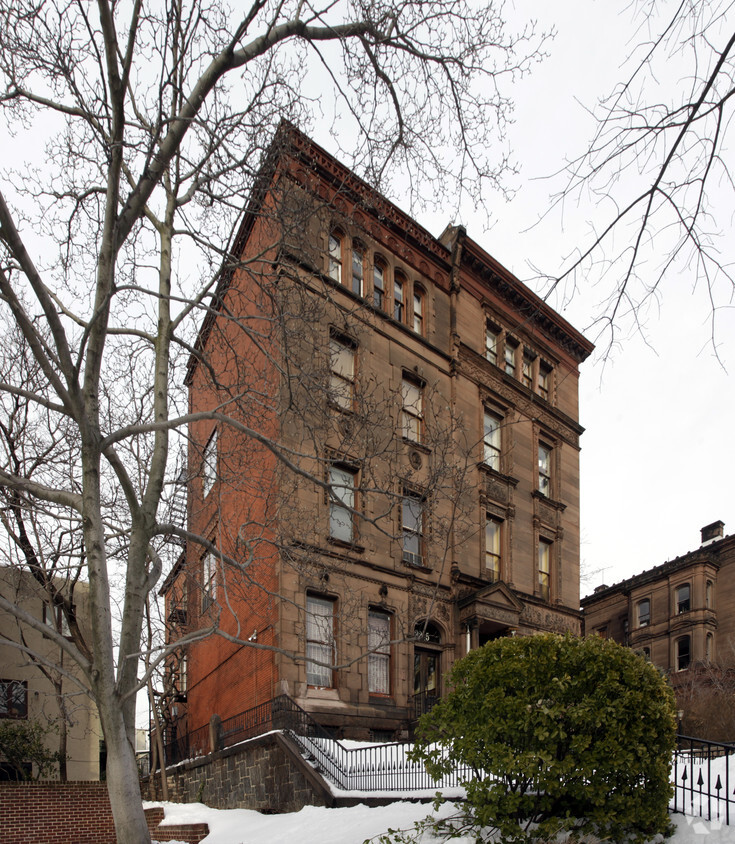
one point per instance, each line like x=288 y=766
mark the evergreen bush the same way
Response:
x=570 y=734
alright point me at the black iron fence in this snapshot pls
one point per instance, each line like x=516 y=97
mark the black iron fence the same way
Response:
x=703 y=776
x=703 y=772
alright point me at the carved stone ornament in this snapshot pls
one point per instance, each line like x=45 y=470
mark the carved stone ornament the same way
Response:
x=414 y=458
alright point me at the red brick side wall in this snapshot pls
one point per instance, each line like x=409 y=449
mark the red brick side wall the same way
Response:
x=55 y=813
x=73 y=813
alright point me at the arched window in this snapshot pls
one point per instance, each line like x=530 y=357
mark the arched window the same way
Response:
x=709 y=648
x=358 y=269
x=336 y=240
x=709 y=597
x=399 y=307
x=379 y=282
x=418 y=309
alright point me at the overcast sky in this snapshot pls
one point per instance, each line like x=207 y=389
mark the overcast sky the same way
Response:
x=657 y=455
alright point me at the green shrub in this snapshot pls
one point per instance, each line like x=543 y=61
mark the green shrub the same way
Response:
x=23 y=744
x=572 y=734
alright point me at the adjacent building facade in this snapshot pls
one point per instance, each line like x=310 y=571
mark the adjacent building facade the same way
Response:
x=680 y=614
x=391 y=476
x=36 y=679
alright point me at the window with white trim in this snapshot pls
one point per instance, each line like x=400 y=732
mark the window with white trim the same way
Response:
x=493 y=535
x=491 y=440
x=335 y=256
x=379 y=652
x=544 y=568
x=399 y=288
x=342 y=482
x=209 y=463
x=358 y=269
x=320 y=648
x=544 y=469
x=492 y=342
x=379 y=281
x=412 y=411
x=412 y=518
x=342 y=372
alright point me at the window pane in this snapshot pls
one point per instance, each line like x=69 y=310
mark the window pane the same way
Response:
x=342 y=483
x=357 y=270
x=491 y=345
x=335 y=257
x=418 y=312
x=342 y=364
x=544 y=469
x=378 y=286
x=491 y=441
x=398 y=299
x=319 y=640
x=379 y=658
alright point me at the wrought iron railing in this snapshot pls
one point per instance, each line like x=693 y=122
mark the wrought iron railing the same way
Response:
x=376 y=767
x=703 y=776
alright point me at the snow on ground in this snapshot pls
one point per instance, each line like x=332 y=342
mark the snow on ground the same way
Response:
x=352 y=825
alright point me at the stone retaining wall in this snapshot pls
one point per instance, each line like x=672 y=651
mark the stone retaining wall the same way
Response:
x=266 y=773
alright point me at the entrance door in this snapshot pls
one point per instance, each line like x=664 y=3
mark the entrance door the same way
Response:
x=426 y=669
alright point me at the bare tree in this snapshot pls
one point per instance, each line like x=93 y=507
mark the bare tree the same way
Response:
x=657 y=171
x=155 y=121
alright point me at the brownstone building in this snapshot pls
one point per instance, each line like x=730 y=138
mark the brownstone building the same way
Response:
x=680 y=614
x=392 y=476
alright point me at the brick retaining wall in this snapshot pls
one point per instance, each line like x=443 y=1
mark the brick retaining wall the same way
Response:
x=73 y=813
x=266 y=773
x=55 y=813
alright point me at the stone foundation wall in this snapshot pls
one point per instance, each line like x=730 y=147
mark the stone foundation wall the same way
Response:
x=266 y=773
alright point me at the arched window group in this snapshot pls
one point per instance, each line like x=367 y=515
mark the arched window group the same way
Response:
x=372 y=277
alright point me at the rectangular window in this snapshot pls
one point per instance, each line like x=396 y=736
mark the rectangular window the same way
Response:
x=683 y=653
x=492 y=336
x=398 y=299
x=413 y=529
x=412 y=412
x=13 y=699
x=493 y=529
x=342 y=497
x=209 y=581
x=683 y=598
x=544 y=568
x=379 y=286
x=544 y=469
x=335 y=257
x=319 y=641
x=510 y=356
x=358 y=269
x=209 y=464
x=544 y=381
x=342 y=373
x=644 y=612
x=379 y=652
x=491 y=441
x=527 y=371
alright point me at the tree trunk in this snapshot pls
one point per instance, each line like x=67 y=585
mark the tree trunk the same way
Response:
x=123 y=783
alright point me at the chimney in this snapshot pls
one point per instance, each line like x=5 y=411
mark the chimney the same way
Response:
x=713 y=532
